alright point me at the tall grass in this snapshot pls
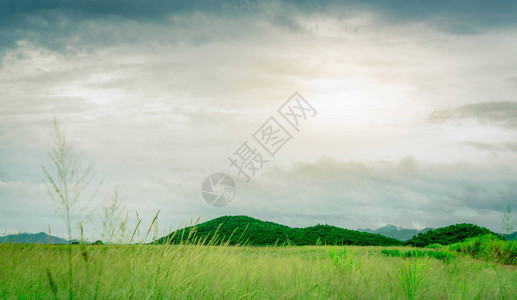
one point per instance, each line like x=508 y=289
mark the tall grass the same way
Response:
x=202 y=271
x=411 y=277
x=441 y=255
x=340 y=257
x=488 y=247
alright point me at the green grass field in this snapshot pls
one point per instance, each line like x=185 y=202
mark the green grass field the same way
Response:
x=237 y=272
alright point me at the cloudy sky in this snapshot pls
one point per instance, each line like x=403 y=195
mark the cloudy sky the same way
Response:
x=416 y=106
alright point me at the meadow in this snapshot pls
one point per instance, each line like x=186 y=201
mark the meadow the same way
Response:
x=184 y=271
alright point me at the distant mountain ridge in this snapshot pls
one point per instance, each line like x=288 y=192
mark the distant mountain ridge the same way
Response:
x=510 y=236
x=314 y=234
x=251 y=231
x=396 y=232
x=32 y=238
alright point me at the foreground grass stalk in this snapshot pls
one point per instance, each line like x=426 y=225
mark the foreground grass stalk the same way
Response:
x=411 y=276
x=66 y=185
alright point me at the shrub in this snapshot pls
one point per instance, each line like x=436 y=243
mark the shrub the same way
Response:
x=440 y=255
x=434 y=246
x=488 y=247
x=394 y=253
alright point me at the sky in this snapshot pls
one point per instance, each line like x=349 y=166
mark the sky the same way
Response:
x=415 y=111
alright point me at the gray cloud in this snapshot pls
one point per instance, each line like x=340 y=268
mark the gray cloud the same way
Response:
x=512 y=80
x=498 y=12
x=460 y=29
x=350 y=194
x=502 y=113
x=51 y=23
x=353 y=194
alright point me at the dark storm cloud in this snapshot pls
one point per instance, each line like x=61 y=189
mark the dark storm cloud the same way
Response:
x=153 y=10
x=503 y=113
x=74 y=26
x=457 y=13
x=50 y=22
x=482 y=12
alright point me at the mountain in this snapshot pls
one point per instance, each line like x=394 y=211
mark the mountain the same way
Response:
x=31 y=238
x=510 y=236
x=247 y=230
x=395 y=232
x=449 y=235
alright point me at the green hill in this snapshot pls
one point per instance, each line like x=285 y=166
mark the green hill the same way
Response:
x=247 y=230
x=448 y=235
